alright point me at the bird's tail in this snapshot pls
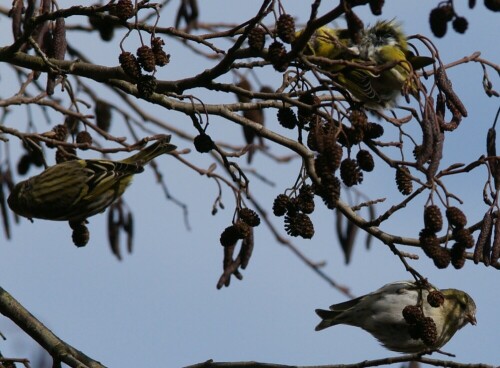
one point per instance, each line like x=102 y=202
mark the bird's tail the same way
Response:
x=328 y=318
x=158 y=148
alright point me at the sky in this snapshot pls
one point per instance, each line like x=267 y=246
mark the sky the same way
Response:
x=160 y=306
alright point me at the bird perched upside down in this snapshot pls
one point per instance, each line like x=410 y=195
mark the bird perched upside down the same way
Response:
x=75 y=190
x=378 y=46
x=383 y=314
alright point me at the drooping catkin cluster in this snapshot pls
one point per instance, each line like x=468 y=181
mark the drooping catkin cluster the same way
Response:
x=146 y=58
x=276 y=53
x=296 y=211
x=241 y=229
x=487 y=247
x=463 y=237
x=324 y=138
x=420 y=326
x=285 y=27
x=403 y=180
x=433 y=222
x=257 y=38
x=441 y=15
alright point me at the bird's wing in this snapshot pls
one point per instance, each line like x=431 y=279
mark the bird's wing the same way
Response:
x=359 y=83
x=346 y=305
x=103 y=175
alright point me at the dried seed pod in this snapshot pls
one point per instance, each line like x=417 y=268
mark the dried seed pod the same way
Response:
x=229 y=236
x=350 y=172
x=242 y=228
x=286 y=28
x=376 y=6
x=373 y=131
x=483 y=244
x=365 y=160
x=124 y=9
x=80 y=234
x=311 y=100
x=84 y=137
x=146 y=86
x=435 y=298
x=429 y=242
x=322 y=165
x=280 y=205
x=60 y=133
x=329 y=190
x=412 y=314
x=287 y=118
x=305 y=199
x=456 y=217
x=457 y=253
x=203 y=143
x=493 y=5
x=277 y=56
x=299 y=224
x=442 y=258
x=358 y=118
x=429 y=331
x=146 y=58
x=257 y=38
x=130 y=65
x=249 y=216
x=433 y=219
x=439 y=18
x=315 y=137
x=403 y=180
x=415 y=331
x=161 y=57
x=464 y=237
x=460 y=24
x=334 y=153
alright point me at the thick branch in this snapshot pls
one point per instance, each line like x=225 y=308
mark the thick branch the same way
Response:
x=58 y=349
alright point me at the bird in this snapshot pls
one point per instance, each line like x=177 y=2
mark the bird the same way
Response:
x=77 y=189
x=384 y=314
x=377 y=46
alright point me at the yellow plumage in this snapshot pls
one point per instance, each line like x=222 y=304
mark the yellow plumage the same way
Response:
x=379 y=45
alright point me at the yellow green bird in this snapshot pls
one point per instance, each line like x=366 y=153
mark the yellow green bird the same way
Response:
x=382 y=314
x=75 y=190
x=378 y=45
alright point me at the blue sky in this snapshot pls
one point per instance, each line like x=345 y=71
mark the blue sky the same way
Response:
x=160 y=305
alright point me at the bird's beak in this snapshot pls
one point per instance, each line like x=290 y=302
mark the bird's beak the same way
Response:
x=471 y=318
